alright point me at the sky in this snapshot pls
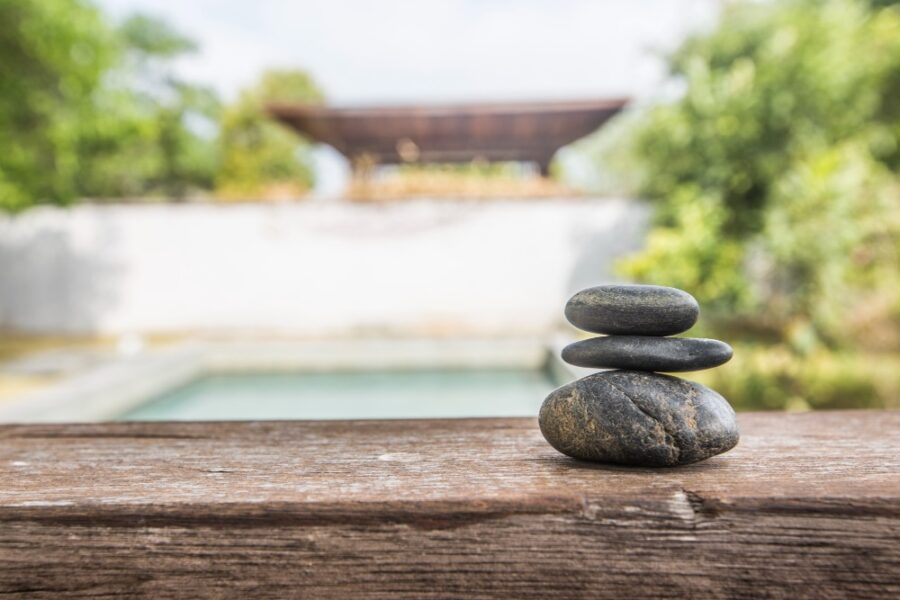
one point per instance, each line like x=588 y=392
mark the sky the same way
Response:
x=400 y=51
x=378 y=52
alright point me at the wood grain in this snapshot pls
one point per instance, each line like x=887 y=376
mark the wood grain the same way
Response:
x=808 y=505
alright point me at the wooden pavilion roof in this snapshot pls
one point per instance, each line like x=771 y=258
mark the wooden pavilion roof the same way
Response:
x=527 y=131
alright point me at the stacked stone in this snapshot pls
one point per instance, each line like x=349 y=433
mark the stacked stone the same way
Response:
x=633 y=415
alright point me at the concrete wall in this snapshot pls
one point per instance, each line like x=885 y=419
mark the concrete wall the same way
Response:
x=316 y=268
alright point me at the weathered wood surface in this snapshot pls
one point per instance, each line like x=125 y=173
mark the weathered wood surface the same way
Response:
x=808 y=505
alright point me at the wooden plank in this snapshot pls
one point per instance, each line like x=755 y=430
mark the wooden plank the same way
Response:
x=808 y=505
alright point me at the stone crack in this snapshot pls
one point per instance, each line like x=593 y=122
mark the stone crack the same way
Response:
x=670 y=440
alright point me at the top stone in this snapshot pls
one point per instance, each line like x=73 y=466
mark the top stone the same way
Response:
x=633 y=310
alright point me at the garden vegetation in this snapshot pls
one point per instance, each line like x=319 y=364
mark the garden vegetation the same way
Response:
x=94 y=109
x=774 y=177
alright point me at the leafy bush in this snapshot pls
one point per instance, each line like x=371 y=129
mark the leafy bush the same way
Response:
x=261 y=157
x=775 y=174
x=774 y=377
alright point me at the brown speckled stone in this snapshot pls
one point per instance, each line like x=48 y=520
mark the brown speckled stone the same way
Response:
x=633 y=310
x=648 y=353
x=638 y=418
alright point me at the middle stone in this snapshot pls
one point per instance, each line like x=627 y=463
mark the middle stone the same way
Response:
x=648 y=353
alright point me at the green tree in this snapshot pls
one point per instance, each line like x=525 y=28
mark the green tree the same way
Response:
x=53 y=55
x=146 y=138
x=260 y=157
x=775 y=174
x=88 y=109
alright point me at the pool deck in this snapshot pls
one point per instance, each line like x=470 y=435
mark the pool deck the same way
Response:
x=807 y=506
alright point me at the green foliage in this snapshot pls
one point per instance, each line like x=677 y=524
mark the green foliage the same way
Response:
x=53 y=54
x=775 y=173
x=92 y=110
x=87 y=109
x=774 y=377
x=145 y=139
x=259 y=156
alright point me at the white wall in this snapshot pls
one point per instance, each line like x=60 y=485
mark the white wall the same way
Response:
x=315 y=268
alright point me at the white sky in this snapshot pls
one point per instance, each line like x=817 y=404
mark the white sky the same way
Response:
x=404 y=51
x=383 y=51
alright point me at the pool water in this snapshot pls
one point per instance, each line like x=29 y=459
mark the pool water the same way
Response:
x=352 y=395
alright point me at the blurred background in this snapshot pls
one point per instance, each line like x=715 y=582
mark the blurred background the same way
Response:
x=314 y=210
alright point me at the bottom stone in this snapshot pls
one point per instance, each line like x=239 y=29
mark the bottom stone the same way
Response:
x=638 y=418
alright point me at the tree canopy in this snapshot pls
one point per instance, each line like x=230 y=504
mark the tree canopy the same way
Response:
x=775 y=174
x=53 y=55
x=259 y=156
x=95 y=109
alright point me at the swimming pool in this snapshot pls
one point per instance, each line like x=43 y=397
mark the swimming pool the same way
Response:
x=386 y=394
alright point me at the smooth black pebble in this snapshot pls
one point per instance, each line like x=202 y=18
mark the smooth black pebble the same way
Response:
x=648 y=353
x=633 y=310
x=639 y=419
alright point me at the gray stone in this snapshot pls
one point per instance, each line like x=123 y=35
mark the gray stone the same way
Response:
x=633 y=310
x=648 y=353
x=638 y=418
